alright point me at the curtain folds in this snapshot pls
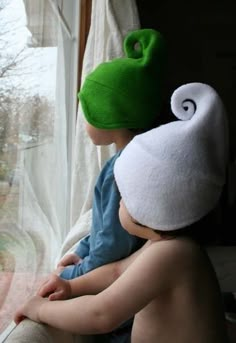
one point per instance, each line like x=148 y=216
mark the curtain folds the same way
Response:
x=110 y=22
x=33 y=214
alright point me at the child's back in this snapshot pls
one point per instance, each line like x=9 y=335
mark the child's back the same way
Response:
x=185 y=301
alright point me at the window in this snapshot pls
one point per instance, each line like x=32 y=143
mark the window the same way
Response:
x=38 y=85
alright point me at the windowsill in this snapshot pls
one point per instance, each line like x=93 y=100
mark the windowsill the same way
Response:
x=15 y=288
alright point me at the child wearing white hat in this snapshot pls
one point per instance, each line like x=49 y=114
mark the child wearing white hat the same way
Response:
x=169 y=178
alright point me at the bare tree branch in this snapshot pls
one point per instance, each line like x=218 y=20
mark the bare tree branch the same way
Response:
x=10 y=58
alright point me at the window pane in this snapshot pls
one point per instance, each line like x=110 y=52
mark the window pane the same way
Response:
x=33 y=147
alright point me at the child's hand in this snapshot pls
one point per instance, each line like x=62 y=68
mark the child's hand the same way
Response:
x=69 y=259
x=29 y=310
x=55 y=288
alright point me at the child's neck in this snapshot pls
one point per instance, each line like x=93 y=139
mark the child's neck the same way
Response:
x=123 y=139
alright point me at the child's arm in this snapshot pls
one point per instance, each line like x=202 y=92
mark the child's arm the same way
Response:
x=100 y=278
x=146 y=277
x=81 y=251
x=109 y=242
x=90 y=283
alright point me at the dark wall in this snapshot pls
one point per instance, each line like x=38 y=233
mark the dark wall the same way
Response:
x=201 y=40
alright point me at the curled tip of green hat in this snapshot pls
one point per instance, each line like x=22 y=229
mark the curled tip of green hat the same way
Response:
x=126 y=92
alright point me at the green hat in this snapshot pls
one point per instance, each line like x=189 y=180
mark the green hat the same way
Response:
x=126 y=92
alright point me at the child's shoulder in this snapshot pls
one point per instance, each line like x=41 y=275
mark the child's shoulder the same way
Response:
x=175 y=245
x=166 y=264
x=107 y=172
x=113 y=159
x=109 y=164
x=177 y=252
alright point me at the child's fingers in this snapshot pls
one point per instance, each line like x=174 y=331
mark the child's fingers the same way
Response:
x=47 y=288
x=18 y=317
x=69 y=260
x=57 y=295
x=45 y=283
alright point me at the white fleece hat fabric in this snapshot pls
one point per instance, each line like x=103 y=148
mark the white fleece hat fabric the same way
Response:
x=173 y=175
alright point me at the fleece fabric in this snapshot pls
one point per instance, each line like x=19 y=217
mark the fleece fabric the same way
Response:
x=127 y=92
x=172 y=176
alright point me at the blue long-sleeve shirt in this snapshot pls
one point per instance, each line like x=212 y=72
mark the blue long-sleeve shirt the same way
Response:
x=107 y=241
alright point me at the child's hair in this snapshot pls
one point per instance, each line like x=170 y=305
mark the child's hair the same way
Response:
x=201 y=231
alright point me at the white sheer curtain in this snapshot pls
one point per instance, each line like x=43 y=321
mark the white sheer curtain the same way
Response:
x=33 y=112
x=111 y=20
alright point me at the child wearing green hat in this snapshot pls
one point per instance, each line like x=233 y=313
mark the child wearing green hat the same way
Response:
x=119 y=98
x=170 y=178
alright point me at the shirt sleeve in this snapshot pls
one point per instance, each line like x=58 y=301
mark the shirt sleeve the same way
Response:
x=109 y=242
x=83 y=247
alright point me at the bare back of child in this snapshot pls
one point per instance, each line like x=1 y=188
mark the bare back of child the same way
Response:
x=179 y=286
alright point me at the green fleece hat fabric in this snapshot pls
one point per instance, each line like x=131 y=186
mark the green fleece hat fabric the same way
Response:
x=126 y=92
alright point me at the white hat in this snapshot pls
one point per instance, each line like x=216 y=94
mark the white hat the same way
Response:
x=172 y=176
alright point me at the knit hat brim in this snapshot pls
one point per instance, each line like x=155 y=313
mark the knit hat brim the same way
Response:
x=106 y=114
